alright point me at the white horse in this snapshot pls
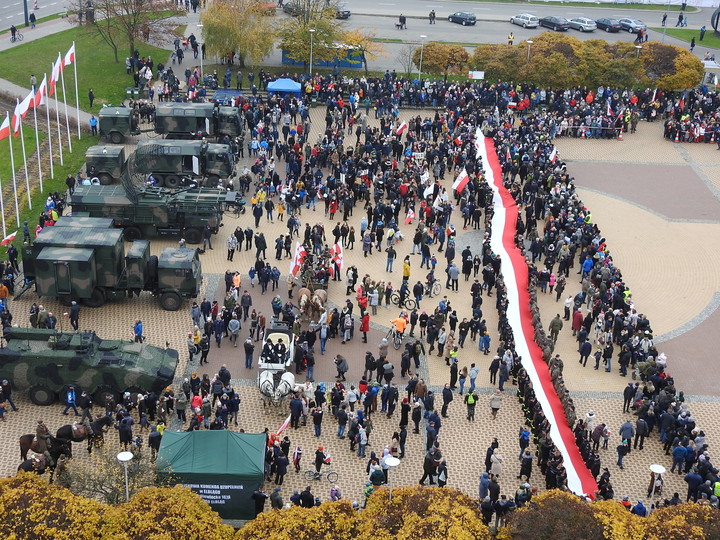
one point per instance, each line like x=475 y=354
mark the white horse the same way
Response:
x=284 y=387
x=266 y=383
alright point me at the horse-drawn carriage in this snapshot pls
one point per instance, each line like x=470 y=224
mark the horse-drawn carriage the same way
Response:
x=276 y=355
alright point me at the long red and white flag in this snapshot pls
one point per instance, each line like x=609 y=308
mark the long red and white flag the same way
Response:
x=553 y=155
x=410 y=216
x=401 y=128
x=21 y=110
x=283 y=426
x=69 y=56
x=8 y=239
x=338 y=255
x=461 y=181
x=39 y=98
x=5 y=128
x=55 y=75
x=300 y=253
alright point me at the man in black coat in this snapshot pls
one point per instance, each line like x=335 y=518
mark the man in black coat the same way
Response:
x=447 y=399
x=307 y=500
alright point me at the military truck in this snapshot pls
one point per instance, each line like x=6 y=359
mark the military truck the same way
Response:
x=152 y=211
x=187 y=120
x=171 y=163
x=89 y=264
x=116 y=123
x=45 y=361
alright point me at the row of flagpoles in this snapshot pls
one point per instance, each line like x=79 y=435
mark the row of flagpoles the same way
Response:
x=34 y=99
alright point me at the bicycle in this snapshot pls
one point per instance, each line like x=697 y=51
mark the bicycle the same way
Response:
x=18 y=37
x=395 y=337
x=330 y=476
x=409 y=303
x=434 y=288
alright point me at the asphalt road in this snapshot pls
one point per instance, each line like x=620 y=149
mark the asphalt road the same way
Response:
x=12 y=11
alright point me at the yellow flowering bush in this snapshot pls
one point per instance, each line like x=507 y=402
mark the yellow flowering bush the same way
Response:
x=174 y=513
x=30 y=508
x=329 y=521
x=421 y=512
x=618 y=522
x=688 y=521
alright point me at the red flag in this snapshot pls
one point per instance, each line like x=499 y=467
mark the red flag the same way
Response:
x=55 y=75
x=553 y=155
x=458 y=141
x=338 y=255
x=21 y=110
x=401 y=128
x=461 y=181
x=69 y=56
x=5 y=128
x=410 y=216
x=8 y=239
x=39 y=98
x=283 y=426
x=300 y=253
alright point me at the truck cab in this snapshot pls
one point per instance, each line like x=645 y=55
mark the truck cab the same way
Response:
x=104 y=162
x=185 y=120
x=116 y=123
x=228 y=121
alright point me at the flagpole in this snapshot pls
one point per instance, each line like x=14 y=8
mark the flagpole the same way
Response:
x=47 y=115
x=27 y=176
x=67 y=120
x=57 y=121
x=37 y=145
x=77 y=98
x=12 y=166
x=2 y=210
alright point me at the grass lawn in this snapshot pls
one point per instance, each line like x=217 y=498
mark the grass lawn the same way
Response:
x=711 y=39
x=95 y=65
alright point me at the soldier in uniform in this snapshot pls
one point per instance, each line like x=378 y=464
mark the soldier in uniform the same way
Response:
x=42 y=433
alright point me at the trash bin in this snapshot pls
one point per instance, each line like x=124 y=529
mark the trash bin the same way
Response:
x=132 y=92
x=90 y=15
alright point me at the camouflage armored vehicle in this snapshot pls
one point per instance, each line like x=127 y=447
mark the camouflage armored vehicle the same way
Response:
x=188 y=120
x=44 y=362
x=116 y=123
x=105 y=162
x=90 y=264
x=152 y=211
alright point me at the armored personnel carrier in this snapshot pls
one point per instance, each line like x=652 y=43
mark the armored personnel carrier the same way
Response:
x=44 y=362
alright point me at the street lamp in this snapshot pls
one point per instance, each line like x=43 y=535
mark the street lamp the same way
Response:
x=124 y=458
x=200 y=26
x=638 y=48
x=312 y=33
x=422 y=48
x=391 y=462
x=529 y=42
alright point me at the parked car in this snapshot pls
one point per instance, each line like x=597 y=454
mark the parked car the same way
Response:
x=292 y=8
x=609 y=25
x=632 y=25
x=583 y=24
x=463 y=17
x=525 y=20
x=342 y=12
x=559 y=24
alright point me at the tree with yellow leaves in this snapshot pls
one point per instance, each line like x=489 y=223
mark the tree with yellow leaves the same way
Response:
x=363 y=41
x=442 y=59
x=328 y=36
x=238 y=26
x=669 y=67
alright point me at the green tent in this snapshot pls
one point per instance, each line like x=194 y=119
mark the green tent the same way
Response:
x=223 y=467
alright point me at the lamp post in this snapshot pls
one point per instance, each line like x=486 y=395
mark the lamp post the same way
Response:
x=124 y=458
x=638 y=48
x=529 y=42
x=200 y=26
x=312 y=33
x=422 y=49
x=391 y=462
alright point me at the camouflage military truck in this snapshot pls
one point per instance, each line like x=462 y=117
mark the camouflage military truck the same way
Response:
x=187 y=120
x=44 y=362
x=172 y=163
x=116 y=123
x=152 y=211
x=90 y=264
x=107 y=162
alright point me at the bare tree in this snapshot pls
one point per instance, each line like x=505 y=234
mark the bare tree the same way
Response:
x=404 y=57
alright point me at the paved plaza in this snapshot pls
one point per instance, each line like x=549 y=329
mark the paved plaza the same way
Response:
x=652 y=199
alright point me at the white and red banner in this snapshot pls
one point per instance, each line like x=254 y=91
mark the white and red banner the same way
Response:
x=283 y=426
x=69 y=56
x=55 y=75
x=515 y=271
x=401 y=128
x=300 y=253
x=21 y=110
x=8 y=239
x=338 y=255
x=553 y=154
x=5 y=128
x=410 y=216
x=39 y=98
x=461 y=181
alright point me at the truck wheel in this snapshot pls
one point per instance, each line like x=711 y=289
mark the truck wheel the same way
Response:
x=41 y=395
x=170 y=301
x=105 y=179
x=97 y=298
x=172 y=181
x=152 y=269
x=116 y=138
x=66 y=299
x=193 y=236
x=132 y=233
x=159 y=180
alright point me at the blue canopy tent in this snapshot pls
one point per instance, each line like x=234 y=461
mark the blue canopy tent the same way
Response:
x=283 y=87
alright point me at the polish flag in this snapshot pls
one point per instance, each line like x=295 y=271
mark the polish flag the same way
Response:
x=55 y=76
x=300 y=253
x=609 y=109
x=5 y=128
x=21 y=110
x=410 y=216
x=69 y=56
x=461 y=181
x=553 y=155
x=429 y=191
x=39 y=98
x=458 y=141
x=283 y=426
x=8 y=239
x=401 y=128
x=338 y=255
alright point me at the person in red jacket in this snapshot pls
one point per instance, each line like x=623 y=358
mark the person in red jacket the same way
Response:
x=577 y=320
x=365 y=326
